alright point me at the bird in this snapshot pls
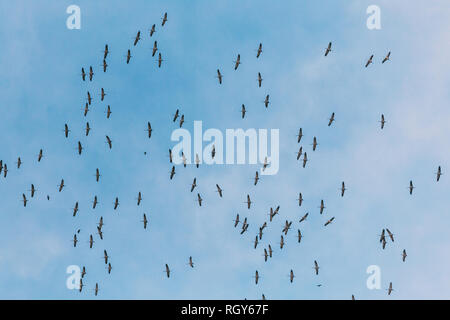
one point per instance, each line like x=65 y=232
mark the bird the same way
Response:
x=199 y=199
x=105 y=65
x=343 y=189
x=256 y=178
x=86 y=109
x=304 y=217
x=159 y=60
x=80 y=148
x=145 y=221
x=109 y=141
x=411 y=187
x=391 y=235
x=299 y=235
x=33 y=190
x=152 y=30
x=236 y=221
x=66 y=130
x=149 y=129
x=219 y=190
x=382 y=236
x=138 y=37
x=219 y=76
x=89 y=98
x=75 y=209
x=181 y=120
x=139 y=198
x=300 y=135
x=266 y=101
x=265 y=255
x=299 y=152
x=258 y=53
x=61 y=185
x=404 y=255
x=194 y=184
x=331 y=119
x=96 y=289
x=105 y=256
x=438 y=173
x=387 y=57
x=88 y=128
x=39 y=156
x=91 y=241
x=256 y=277
x=282 y=242
x=329 y=221
x=19 y=162
x=75 y=240
x=314 y=144
x=176 y=115
x=197 y=160
x=94 y=203
x=109 y=268
x=382 y=121
x=191 y=263
x=116 y=203
x=305 y=159
x=172 y=173
x=24 y=199
x=128 y=56
x=316 y=267
x=167 y=271
x=248 y=201
x=300 y=199
x=243 y=111
x=91 y=73
x=390 y=289
x=102 y=94
x=97 y=174
x=83 y=272
x=108 y=112
x=291 y=276
x=259 y=79
x=322 y=206
x=106 y=51
x=237 y=62
x=164 y=19
x=369 y=61
x=155 y=48
x=100 y=233
x=328 y=49
x=83 y=74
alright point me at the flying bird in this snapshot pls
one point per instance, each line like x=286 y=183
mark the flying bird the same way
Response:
x=305 y=159
x=116 y=203
x=145 y=221
x=167 y=271
x=155 y=48
x=237 y=62
x=83 y=74
x=387 y=57
x=138 y=37
x=194 y=184
x=80 y=148
x=328 y=49
x=75 y=209
x=181 y=120
x=191 y=263
x=219 y=76
x=128 y=56
x=91 y=73
x=304 y=217
x=248 y=201
x=291 y=276
x=411 y=187
x=152 y=30
x=369 y=61
x=343 y=189
x=331 y=119
x=382 y=121
x=39 y=156
x=164 y=19
x=300 y=199
x=108 y=112
x=243 y=111
x=329 y=221
x=97 y=174
x=236 y=221
x=266 y=101
x=219 y=190
x=256 y=178
x=160 y=60
x=438 y=173
x=149 y=130
x=258 y=53
x=94 y=203
x=391 y=235
x=172 y=172
x=300 y=135
x=316 y=267
x=199 y=199
x=322 y=206
x=176 y=115
x=105 y=52
x=109 y=141
x=139 y=198
x=390 y=289
x=61 y=185
x=404 y=255
x=24 y=199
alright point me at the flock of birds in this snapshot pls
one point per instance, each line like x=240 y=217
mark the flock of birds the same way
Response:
x=243 y=222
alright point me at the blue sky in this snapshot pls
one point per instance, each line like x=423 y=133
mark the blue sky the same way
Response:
x=41 y=89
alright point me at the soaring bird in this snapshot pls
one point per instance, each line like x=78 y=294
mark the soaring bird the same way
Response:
x=116 y=203
x=300 y=199
x=88 y=128
x=91 y=241
x=33 y=190
x=411 y=187
x=259 y=79
x=94 y=203
x=138 y=37
x=167 y=271
x=181 y=120
x=105 y=52
x=331 y=119
x=145 y=221
x=291 y=276
x=256 y=277
x=105 y=256
x=86 y=109
x=219 y=76
x=328 y=49
x=236 y=221
x=343 y=189
x=316 y=267
x=102 y=94
x=80 y=148
x=109 y=141
x=438 y=173
x=305 y=159
x=197 y=160
x=152 y=30
x=139 y=198
x=258 y=53
x=105 y=65
x=160 y=60
x=75 y=240
x=149 y=130
x=369 y=61
x=155 y=48
x=164 y=20
x=19 y=162
x=248 y=201
x=266 y=101
x=75 y=209
x=391 y=235
x=191 y=263
x=314 y=144
x=83 y=272
x=91 y=73
x=109 y=268
x=89 y=98
x=39 y=156
x=199 y=199
x=97 y=174
x=304 y=217
x=66 y=130
x=404 y=255
x=219 y=190
x=322 y=206
x=300 y=135
x=256 y=178
x=176 y=115
x=299 y=235
x=243 y=111
x=329 y=221
x=172 y=172
x=387 y=57
x=83 y=74
x=281 y=242
x=61 y=185
x=128 y=56
x=390 y=289
x=194 y=184
x=24 y=199
x=108 y=112
x=100 y=233
x=237 y=62
x=382 y=121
